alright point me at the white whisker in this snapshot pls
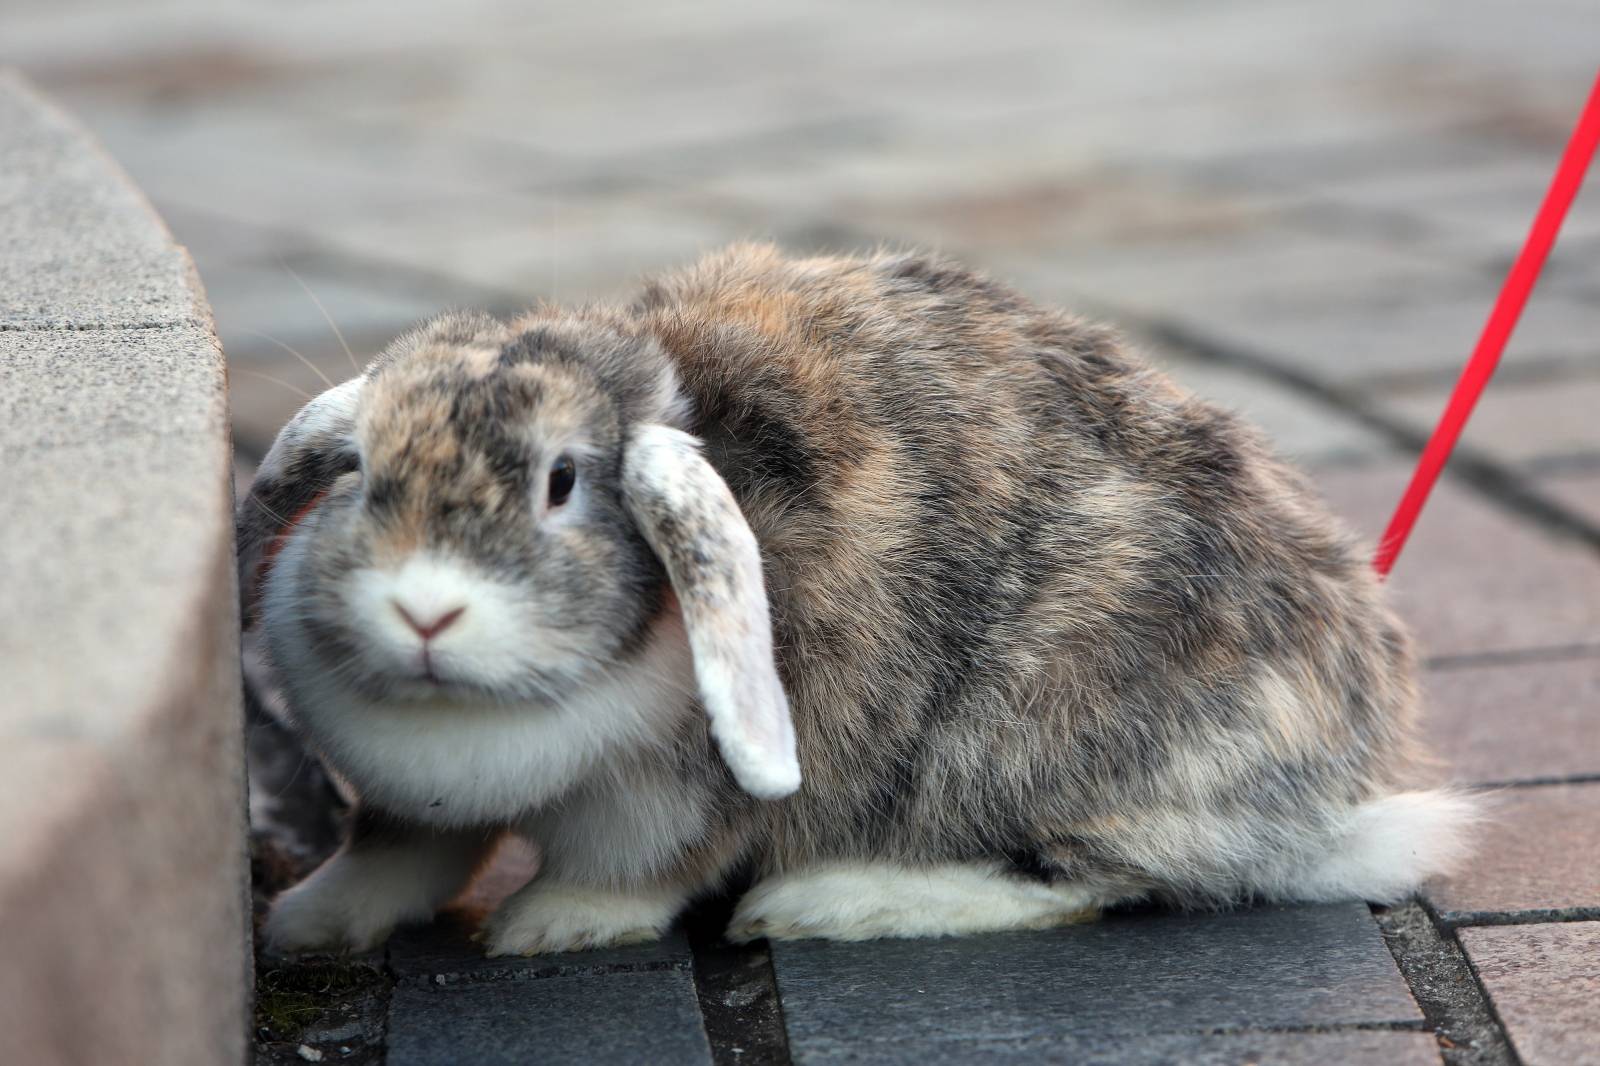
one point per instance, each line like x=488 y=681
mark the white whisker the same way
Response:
x=282 y=521
x=312 y=366
x=331 y=323
x=276 y=381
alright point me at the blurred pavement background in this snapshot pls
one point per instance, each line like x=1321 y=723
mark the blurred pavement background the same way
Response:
x=1301 y=209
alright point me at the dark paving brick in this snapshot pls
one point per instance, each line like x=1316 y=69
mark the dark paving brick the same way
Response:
x=1405 y=330
x=641 y=1017
x=1520 y=721
x=1133 y=975
x=1474 y=578
x=441 y=954
x=1352 y=1048
x=1539 y=852
x=1545 y=984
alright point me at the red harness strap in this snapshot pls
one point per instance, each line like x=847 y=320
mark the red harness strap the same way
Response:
x=1502 y=320
x=275 y=545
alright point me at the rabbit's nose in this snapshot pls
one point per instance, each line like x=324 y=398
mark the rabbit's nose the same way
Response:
x=428 y=630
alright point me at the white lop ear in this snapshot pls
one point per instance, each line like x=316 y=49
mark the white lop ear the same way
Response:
x=688 y=515
x=309 y=453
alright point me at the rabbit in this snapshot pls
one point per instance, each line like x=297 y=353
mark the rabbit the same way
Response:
x=862 y=584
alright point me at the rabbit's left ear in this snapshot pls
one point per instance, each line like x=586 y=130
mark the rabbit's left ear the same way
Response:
x=309 y=453
x=688 y=515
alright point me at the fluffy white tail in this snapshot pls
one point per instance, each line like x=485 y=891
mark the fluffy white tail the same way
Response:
x=1388 y=847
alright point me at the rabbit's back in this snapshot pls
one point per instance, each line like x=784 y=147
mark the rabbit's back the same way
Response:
x=1027 y=592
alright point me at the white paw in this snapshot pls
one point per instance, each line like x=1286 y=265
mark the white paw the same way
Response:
x=870 y=900
x=547 y=918
x=320 y=915
x=355 y=899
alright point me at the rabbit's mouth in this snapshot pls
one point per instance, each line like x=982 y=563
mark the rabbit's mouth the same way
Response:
x=435 y=678
x=435 y=625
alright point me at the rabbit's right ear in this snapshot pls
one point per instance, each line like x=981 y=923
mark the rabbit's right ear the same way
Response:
x=689 y=517
x=313 y=450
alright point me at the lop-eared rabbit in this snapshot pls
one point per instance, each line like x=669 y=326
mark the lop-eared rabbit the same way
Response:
x=916 y=607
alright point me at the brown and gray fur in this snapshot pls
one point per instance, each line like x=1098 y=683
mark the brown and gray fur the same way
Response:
x=1032 y=603
x=1035 y=602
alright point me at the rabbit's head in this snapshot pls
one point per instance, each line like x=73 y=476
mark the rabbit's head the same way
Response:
x=505 y=514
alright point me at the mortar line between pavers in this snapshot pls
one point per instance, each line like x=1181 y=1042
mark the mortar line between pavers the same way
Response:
x=1477 y=981
x=1490 y=480
x=1555 y=653
x=1433 y=963
x=740 y=1035
x=1530 y=369
x=1560 y=463
x=1456 y=920
x=388 y=1003
x=1535 y=782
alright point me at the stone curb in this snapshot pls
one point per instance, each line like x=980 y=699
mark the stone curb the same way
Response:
x=123 y=890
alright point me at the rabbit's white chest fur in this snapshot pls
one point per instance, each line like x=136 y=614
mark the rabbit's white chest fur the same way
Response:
x=454 y=763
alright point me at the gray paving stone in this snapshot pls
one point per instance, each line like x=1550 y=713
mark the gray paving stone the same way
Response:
x=1544 y=981
x=1474 y=578
x=79 y=247
x=1574 y=266
x=649 y=1017
x=1251 y=286
x=1579 y=491
x=1125 y=976
x=1485 y=208
x=1522 y=721
x=1538 y=853
x=269 y=167
x=1038 y=203
x=1328 y=168
x=1350 y=1048
x=560 y=247
x=1517 y=422
x=255 y=302
x=1406 y=330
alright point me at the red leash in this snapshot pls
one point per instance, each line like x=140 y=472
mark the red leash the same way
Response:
x=1502 y=320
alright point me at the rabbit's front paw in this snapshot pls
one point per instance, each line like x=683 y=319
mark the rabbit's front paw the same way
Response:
x=318 y=915
x=544 y=918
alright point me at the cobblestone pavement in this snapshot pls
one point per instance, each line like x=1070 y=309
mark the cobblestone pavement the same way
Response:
x=1302 y=210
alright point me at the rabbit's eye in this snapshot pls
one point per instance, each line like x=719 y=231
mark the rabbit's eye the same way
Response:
x=563 y=475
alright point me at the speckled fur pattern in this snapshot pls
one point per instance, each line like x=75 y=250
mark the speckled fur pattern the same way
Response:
x=1037 y=611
